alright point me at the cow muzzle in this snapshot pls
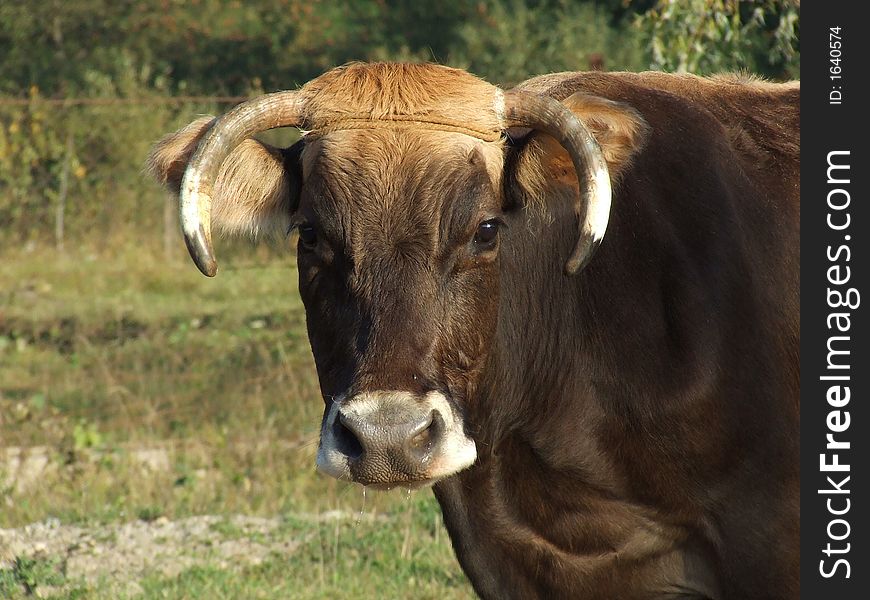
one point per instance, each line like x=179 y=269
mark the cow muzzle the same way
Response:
x=392 y=438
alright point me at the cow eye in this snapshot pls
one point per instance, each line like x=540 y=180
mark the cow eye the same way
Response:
x=486 y=232
x=307 y=236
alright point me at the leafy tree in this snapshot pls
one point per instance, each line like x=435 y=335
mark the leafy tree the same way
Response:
x=513 y=40
x=708 y=36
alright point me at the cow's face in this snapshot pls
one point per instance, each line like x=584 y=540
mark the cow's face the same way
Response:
x=398 y=225
x=398 y=258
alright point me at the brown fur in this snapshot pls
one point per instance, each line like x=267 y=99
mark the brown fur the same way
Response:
x=764 y=115
x=636 y=425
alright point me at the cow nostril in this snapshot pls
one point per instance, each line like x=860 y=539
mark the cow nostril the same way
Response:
x=425 y=435
x=346 y=441
x=421 y=439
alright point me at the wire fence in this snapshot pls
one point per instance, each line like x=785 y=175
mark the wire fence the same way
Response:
x=160 y=100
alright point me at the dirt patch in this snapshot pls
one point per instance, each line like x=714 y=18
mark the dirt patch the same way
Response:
x=23 y=468
x=124 y=553
x=120 y=554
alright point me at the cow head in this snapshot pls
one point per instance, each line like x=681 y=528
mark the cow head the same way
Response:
x=397 y=193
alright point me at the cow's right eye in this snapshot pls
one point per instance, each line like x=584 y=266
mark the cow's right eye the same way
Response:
x=486 y=232
x=307 y=236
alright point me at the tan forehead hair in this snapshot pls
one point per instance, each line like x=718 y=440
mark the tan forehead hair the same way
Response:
x=377 y=149
x=402 y=95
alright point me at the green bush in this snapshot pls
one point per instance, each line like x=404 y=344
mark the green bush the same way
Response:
x=511 y=40
x=710 y=36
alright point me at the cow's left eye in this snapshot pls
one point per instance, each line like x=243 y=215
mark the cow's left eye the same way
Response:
x=307 y=236
x=486 y=232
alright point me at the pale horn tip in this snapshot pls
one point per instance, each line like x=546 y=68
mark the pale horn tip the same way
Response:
x=201 y=252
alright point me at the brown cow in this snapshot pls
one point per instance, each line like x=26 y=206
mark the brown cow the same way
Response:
x=617 y=428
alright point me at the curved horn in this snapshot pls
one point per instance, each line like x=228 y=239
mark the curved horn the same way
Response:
x=593 y=203
x=281 y=109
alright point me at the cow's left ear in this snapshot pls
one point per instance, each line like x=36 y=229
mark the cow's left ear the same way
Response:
x=618 y=128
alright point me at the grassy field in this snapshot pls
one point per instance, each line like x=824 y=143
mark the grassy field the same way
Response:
x=134 y=389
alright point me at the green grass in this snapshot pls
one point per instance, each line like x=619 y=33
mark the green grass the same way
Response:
x=102 y=357
x=27 y=575
x=401 y=561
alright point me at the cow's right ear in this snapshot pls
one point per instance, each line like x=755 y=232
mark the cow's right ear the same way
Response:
x=254 y=190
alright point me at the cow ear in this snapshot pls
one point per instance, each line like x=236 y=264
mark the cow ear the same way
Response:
x=618 y=128
x=253 y=190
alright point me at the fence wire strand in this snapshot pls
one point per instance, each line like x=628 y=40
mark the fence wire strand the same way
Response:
x=127 y=101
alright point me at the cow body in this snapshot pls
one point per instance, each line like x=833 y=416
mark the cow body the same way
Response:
x=630 y=431
x=650 y=448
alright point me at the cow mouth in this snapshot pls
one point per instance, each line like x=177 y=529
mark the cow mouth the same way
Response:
x=393 y=439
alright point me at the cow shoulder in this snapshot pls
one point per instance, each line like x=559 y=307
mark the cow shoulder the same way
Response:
x=253 y=191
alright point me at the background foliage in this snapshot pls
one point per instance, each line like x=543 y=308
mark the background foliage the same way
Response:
x=89 y=157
